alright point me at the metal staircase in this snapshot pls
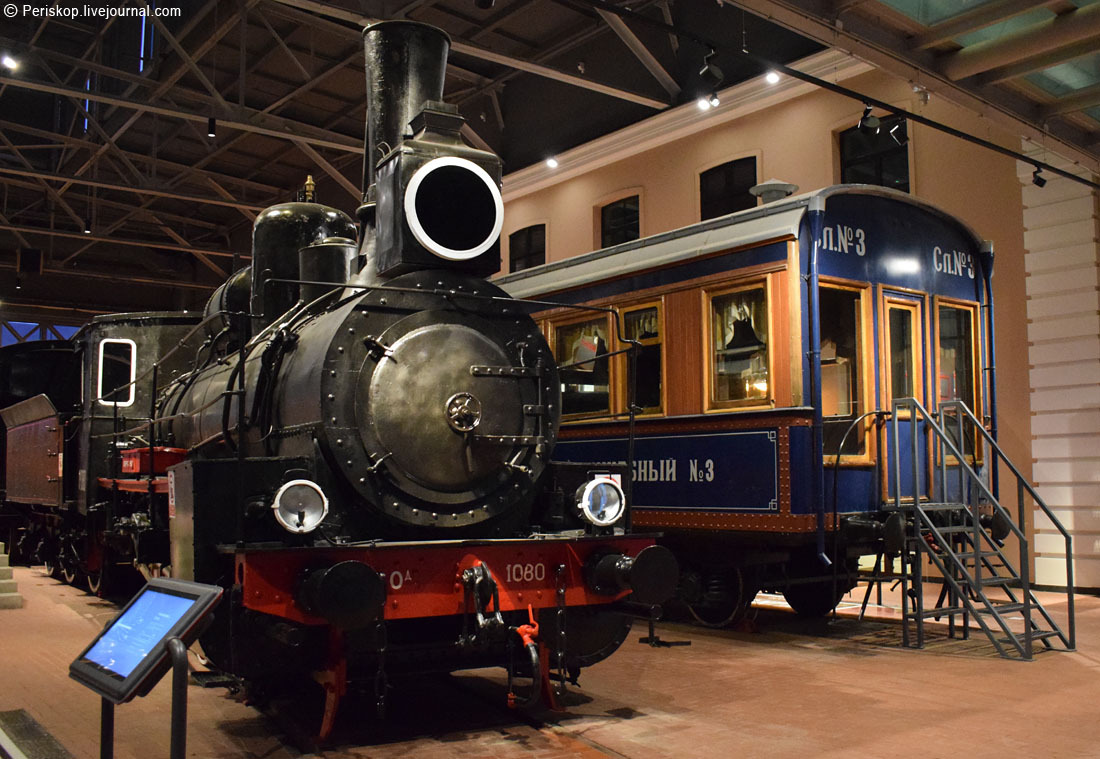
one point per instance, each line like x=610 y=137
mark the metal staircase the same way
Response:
x=953 y=520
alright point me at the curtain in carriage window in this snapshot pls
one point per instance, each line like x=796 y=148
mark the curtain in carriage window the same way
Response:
x=739 y=334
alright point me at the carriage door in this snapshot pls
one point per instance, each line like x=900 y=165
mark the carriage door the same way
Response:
x=902 y=363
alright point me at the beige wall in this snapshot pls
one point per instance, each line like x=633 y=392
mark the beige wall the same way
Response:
x=794 y=141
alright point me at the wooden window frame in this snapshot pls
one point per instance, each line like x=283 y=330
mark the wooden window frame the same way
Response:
x=710 y=405
x=914 y=304
x=619 y=375
x=865 y=372
x=553 y=326
x=975 y=357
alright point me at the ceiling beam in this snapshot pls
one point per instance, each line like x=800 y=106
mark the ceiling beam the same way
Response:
x=1077 y=101
x=53 y=177
x=329 y=169
x=243 y=119
x=1050 y=36
x=1034 y=63
x=973 y=20
x=23 y=229
x=11 y=126
x=641 y=52
x=885 y=48
x=474 y=51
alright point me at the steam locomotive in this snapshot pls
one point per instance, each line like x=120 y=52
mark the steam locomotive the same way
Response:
x=355 y=439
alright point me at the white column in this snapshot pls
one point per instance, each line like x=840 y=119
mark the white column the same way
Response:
x=1062 y=262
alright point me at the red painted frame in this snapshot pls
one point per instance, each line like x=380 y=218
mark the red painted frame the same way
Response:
x=424 y=579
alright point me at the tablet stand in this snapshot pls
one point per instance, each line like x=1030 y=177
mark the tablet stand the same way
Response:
x=177 y=654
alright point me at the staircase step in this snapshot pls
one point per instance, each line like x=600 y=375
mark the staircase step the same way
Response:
x=11 y=601
x=1034 y=635
x=943 y=611
x=4 y=561
x=957 y=529
x=6 y=573
x=1003 y=608
x=944 y=507
x=7 y=586
x=995 y=581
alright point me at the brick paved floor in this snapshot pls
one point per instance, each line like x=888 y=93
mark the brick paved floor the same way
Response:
x=833 y=689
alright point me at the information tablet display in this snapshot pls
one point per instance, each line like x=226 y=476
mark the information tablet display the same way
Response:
x=130 y=656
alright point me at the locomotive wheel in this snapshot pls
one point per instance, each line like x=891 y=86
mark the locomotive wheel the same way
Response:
x=69 y=574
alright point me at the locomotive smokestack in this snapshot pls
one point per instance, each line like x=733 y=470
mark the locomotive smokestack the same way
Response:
x=406 y=62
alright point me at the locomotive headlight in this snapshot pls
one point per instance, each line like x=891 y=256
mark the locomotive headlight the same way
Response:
x=453 y=208
x=601 y=501
x=300 y=505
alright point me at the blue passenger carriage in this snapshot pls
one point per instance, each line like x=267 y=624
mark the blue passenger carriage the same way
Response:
x=765 y=372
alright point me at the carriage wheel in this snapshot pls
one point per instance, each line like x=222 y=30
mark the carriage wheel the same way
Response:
x=725 y=601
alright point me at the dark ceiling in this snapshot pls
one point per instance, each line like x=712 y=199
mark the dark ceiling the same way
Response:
x=106 y=166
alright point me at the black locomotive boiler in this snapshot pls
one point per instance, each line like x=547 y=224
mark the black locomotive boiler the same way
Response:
x=365 y=431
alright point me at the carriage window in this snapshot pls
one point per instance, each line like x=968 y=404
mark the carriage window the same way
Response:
x=841 y=370
x=116 y=372
x=902 y=346
x=739 y=334
x=527 y=248
x=619 y=222
x=584 y=374
x=956 y=360
x=644 y=325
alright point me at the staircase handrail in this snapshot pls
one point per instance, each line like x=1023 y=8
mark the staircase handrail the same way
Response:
x=913 y=403
x=1022 y=482
x=913 y=406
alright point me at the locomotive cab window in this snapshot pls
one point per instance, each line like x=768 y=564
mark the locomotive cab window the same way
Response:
x=842 y=370
x=117 y=367
x=955 y=380
x=644 y=324
x=581 y=349
x=739 y=338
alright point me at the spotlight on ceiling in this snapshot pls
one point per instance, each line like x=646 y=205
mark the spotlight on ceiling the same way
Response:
x=703 y=103
x=484 y=4
x=211 y=127
x=867 y=122
x=1037 y=177
x=710 y=73
x=87 y=227
x=552 y=162
x=712 y=98
x=772 y=77
x=9 y=63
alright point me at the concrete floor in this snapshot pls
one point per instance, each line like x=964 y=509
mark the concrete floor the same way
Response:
x=780 y=687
